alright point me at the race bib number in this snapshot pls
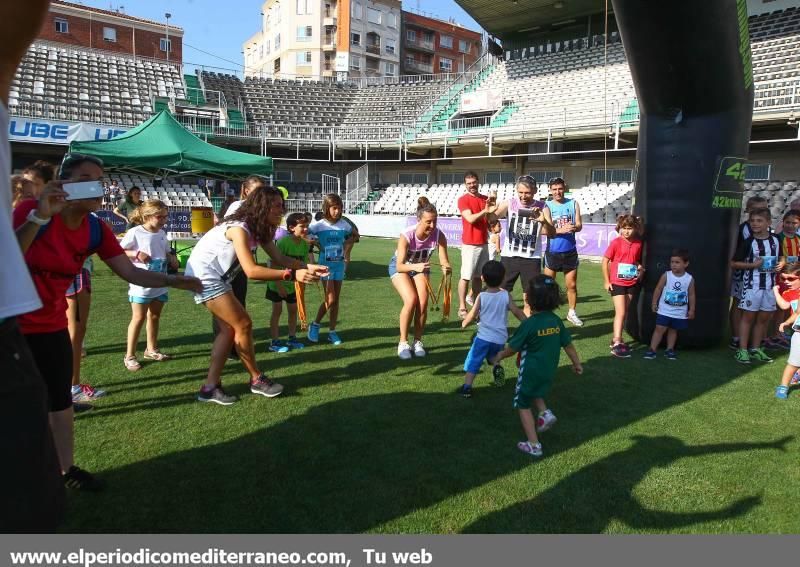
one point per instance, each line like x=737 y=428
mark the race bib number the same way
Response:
x=676 y=298
x=334 y=253
x=157 y=265
x=626 y=271
x=769 y=263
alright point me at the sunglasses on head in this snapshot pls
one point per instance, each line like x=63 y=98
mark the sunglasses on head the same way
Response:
x=556 y=180
x=526 y=178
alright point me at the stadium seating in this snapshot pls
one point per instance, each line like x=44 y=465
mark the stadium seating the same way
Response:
x=303 y=103
x=66 y=83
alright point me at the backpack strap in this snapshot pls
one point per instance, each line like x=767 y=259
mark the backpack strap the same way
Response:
x=95 y=233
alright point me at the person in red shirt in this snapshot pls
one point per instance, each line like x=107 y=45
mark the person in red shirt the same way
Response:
x=789 y=299
x=622 y=270
x=474 y=209
x=55 y=236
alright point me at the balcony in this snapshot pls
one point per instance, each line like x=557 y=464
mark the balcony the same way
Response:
x=329 y=43
x=329 y=20
x=418 y=66
x=420 y=45
x=373 y=49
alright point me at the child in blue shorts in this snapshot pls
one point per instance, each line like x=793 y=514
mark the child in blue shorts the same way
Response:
x=492 y=306
x=333 y=234
x=674 y=303
x=539 y=341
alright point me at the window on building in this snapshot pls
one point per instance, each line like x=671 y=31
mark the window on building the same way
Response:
x=355 y=38
x=355 y=62
x=304 y=33
x=456 y=177
x=757 y=172
x=110 y=34
x=389 y=69
x=303 y=7
x=427 y=36
x=499 y=177
x=165 y=45
x=373 y=16
x=411 y=35
x=303 y=58
x=445 y=64
x=412 y=178
x=276 y=65
x=391 y=20
x=282 y=176
x=62 y=26
x=266 y=47
x=446 y=41
x=463 y=46
x=390 y=46
x=277 y=13
x=277 y=42
x=545 y=176
x=357 y=14
x=612 y=176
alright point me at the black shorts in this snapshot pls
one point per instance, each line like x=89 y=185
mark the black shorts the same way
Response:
x=274 y=297
x=623 y=289
x=525 y=269
x=561 y=261
x=52 y=353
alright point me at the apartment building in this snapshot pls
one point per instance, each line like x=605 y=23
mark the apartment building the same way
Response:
x=431 y=45
x=325 y=38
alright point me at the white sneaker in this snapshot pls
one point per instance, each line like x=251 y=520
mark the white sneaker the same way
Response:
x=573 y=318
x=419 y=349
x=545 y=421
x=404 y=351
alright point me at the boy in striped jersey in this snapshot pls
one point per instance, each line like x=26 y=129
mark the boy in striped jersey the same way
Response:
x=758 y=258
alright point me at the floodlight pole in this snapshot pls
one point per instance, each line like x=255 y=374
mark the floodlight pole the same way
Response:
x=166 y=32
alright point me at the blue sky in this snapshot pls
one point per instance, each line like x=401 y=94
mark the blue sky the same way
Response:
x=219 y=27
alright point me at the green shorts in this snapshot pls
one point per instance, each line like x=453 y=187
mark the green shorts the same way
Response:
x=529 y=388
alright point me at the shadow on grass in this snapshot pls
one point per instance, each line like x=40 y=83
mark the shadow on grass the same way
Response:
x=598 y=503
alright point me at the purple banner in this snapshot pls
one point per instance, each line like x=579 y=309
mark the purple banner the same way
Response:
x=592 y=240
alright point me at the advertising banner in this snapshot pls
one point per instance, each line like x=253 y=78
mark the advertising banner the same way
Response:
x=58 y=132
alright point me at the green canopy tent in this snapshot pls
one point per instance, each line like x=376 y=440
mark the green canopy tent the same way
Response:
x=162 y=147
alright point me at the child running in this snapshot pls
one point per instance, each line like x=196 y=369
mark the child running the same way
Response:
x=622 y=270
x=492 y=306
x=293 y=245
x=411 y=273
x=147 y=246
x=332 y=233
x=539 y=340
x=674 y=303
x=216 y=260
x=757 y=257
x=789 y=299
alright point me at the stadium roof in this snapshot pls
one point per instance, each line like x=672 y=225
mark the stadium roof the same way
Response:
x=502 y=18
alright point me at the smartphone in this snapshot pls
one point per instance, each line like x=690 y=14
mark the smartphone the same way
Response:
x=83 y=190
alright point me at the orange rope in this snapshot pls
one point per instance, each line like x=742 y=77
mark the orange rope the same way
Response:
x=300 y=292
x=447 y=285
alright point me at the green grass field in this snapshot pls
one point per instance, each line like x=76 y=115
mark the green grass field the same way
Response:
x=363 y=442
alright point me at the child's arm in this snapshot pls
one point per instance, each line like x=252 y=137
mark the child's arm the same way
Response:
x=662 y=281
x=790 y=321
x=606 y=276
x=518 y=313
x=473 y=313
x=577 y=367
x=692 y=301
x=503 y=354
x=782 y=303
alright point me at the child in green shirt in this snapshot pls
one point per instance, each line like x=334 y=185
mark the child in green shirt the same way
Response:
x=295 y=246
x=539 y=340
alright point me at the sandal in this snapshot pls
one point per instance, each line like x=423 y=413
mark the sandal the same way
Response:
x=532 y=449
x=156 y=355
x=132 y=364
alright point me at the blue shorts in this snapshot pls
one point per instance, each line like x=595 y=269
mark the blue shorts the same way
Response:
x=335 y=271
x=212 y=290
x=479 y=351
x=672 y=323
x=393 y=269
x=163 y=298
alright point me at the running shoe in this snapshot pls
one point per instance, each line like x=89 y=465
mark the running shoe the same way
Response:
x=650 y=355
x=545 y=421
x=499 y=375
x=621 y=350
x=156 y=355
x=742 y=357
x=278 y=346
x=333 y=338
x=670 y=355
x=532 y=449
x=217 y=395
x=404 y=351
x=573 y=318
x=465 y=390
x=265 y=387
x=313 y=332
x=294 y=344
x=782 y=392
x=760 y=356
x=132 y=364
x=419 y=349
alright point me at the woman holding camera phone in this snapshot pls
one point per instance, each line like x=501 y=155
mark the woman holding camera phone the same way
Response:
x=57 y=235
x=521 y=254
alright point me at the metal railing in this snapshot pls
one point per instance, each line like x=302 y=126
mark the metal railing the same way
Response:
x=419 y=66
x=357 y=185
x=420 y=44
x=373 y=49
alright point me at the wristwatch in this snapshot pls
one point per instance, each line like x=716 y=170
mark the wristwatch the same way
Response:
x=288 y=275
x=36 y=220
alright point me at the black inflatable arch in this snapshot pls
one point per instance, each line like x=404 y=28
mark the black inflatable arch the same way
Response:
x=690 y=63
